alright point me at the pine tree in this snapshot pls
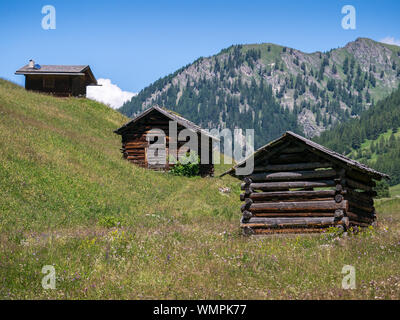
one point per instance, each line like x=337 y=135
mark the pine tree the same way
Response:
x=346 y=65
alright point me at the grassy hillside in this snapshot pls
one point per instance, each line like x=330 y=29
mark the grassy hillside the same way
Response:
x=113 y=230
x=61 y=165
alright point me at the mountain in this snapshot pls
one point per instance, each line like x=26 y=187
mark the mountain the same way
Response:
x=272 y=88
x=373 y=138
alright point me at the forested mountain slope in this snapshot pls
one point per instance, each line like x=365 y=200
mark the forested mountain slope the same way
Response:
x=272 y=88
x=374 y=138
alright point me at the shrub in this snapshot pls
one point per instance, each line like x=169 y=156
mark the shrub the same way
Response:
x=188 y=165
x=109 y=222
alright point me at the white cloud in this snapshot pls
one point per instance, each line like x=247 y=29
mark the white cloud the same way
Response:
x=391 y=40
x=109 y=93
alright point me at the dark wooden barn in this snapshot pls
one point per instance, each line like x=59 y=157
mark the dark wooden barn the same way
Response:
x=62 y=81
x=136 y=140
x=299 y=186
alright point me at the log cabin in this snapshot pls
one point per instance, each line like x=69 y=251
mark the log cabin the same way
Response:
x=139 y=134
x=58 y=80
x=299 y=186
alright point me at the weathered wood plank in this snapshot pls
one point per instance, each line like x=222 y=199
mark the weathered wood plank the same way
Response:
x=358 y=185
x=289 y=195
x=290 y=176
x=276 y=186
x=359 y=196
x=293 y=149
x=358 y=176
x=281 y=222
x=361 y=206
x=290 y=158
x=298 y=206
x=358 y=218
x=293 y=214
x=260 y=231
x=293 y=166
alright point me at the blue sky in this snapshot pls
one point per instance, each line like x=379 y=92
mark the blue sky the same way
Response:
x=134 y=43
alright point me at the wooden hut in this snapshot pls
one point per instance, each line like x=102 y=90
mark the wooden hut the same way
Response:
x=299 y=186
x=138 y=133
x=57 y=80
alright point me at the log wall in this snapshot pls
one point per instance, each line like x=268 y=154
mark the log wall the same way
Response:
x=296 y=191
x=61 y=85
x=135 y=144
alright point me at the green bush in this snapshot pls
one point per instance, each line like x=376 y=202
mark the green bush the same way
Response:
x=109 y=222
x=188 y=165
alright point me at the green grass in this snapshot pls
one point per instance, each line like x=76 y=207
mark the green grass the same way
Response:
x=115 y=231
x=395 y=191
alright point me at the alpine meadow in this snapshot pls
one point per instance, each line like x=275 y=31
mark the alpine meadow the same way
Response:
x=116 y=231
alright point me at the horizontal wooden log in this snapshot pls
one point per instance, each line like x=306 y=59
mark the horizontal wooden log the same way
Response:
x=358 y=218
x=358 y=205
x=358 y=196
x=286 y=222
x=289 y=195
x=292 y=176
x=276 y=186
x=263 y=157
x=369 y=203
x=261 y=231
x=357 y=185
x=289 y=158
x=130 y=153
x=134 y=149
x=293 y=149
x=361 y=212
x=298 y=206
x=358 y=176
x=293 y=166
x=137 y=144
x=293 y=214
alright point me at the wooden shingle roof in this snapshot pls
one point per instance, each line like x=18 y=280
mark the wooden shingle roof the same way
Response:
x=313 y=147
x=77 y=70
x=169 y=114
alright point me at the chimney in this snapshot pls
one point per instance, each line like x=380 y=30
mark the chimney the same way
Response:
x=31 y=63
